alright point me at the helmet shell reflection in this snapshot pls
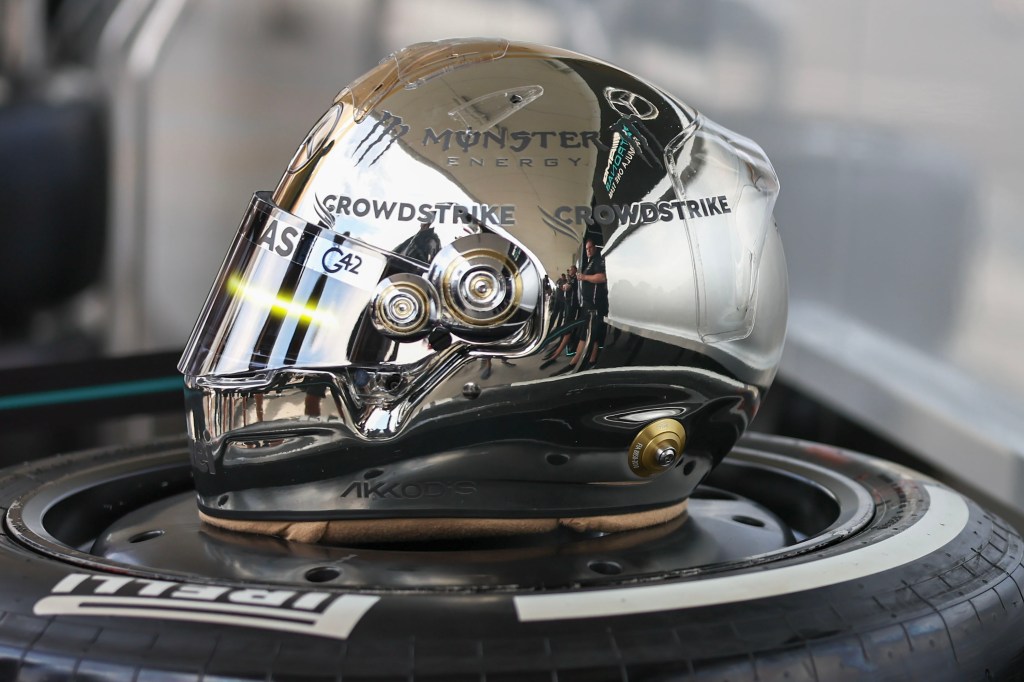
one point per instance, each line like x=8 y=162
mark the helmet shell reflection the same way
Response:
x=495 y=280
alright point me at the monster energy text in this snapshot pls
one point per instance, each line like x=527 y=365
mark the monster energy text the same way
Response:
x=513 y=140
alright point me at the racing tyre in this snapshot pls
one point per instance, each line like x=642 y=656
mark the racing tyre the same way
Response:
x=796 y=561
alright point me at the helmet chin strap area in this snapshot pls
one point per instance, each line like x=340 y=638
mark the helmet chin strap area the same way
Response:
x=335 y=531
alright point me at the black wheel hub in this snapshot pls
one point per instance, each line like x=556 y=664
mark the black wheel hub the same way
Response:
x=140 y=518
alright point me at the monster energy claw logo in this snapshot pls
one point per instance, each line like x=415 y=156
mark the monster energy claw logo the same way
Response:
x=386 y=129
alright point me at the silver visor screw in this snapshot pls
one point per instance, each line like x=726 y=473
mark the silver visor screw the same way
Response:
x=665 y=456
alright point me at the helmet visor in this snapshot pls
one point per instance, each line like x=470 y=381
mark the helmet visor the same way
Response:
x=289 y=293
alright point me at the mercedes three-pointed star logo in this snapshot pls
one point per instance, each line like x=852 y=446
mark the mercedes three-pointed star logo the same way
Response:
x=630 y=104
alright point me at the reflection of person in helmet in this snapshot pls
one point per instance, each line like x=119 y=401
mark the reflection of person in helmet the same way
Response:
x=422 y=246
x=558 y=302
x=342 y=371
x=594 y=302
x=571 y=325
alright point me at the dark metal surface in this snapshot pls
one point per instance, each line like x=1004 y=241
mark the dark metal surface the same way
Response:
x=168 y=536
x=138 y=517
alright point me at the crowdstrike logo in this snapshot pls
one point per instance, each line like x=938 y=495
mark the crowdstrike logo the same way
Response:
x=563 y=218
x=329 y=207
x=318 y=613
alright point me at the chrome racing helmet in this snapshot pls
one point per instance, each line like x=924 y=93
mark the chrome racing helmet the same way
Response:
x=497 y=281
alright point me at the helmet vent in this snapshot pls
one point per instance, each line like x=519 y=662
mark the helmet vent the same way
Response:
x=485 y=112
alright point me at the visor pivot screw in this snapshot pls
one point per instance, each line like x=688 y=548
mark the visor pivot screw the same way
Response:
x=481 y=281
x=470 y=391
x=483 y=290
x=402 y=307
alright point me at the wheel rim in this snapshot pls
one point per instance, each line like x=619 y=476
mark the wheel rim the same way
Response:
x=139 y=517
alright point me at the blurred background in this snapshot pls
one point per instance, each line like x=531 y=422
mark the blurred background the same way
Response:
x=134 y=132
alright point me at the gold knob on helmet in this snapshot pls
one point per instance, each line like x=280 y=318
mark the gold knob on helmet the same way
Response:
x=657 y=447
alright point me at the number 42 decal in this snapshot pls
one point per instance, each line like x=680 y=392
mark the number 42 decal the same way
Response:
x=336 y=260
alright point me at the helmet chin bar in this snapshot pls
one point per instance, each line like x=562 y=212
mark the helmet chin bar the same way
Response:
x=293 y=448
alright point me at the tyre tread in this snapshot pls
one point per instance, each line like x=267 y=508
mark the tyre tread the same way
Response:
x=919 y=622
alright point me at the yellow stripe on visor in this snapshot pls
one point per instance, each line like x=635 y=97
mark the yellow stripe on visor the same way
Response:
x=290 y=293
x=279 y=304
